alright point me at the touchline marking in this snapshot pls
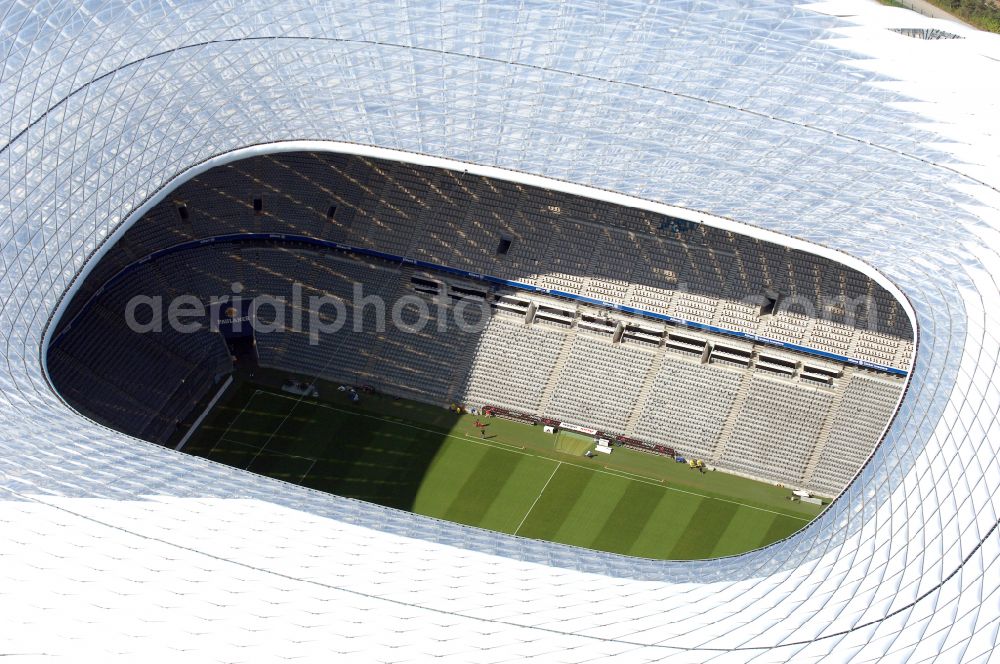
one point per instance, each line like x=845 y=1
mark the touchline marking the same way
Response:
x=512 y=450
x=538 y=497
x=495 y=443
x=625 y=472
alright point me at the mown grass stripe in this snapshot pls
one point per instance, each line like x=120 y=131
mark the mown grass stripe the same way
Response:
x=743 y=533
x=446 y=477
x=665 y=526
x=626 y=522
x=281 y=466
x=704 y=530
x=597 y=500
x=780 y=528
x=538 y=497
x=555 y=503
x=513 y=504
x=481 y=487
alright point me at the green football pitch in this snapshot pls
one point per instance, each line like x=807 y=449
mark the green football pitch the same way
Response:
x=515 y=479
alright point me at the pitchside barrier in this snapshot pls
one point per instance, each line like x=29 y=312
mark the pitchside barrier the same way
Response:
x=626 y=441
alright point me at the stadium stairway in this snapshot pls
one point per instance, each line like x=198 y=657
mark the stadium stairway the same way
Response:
x=734 y=415
x=647 y=386
x=824 y=432
x=371 y=373
x=555 y=378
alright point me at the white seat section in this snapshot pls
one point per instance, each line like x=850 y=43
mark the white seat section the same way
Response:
x=600 y=383
x=777 y=429
x=739 y=316
x=867 y=405
x=575 y=368
x=688 y=406
x=611 y=270
x=568 y=254
x=635 y=258
x=513 y=365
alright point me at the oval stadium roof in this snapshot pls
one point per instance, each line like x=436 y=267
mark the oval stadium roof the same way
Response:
x=814 y=121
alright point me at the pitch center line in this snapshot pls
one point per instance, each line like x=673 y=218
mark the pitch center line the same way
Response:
x=537 y=498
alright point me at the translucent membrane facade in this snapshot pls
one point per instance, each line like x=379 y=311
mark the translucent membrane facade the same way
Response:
x=780 y=117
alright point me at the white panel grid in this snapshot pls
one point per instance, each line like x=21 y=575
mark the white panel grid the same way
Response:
x=740 y=110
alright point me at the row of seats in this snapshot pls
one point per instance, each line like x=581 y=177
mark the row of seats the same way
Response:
x=766 y=426
x=430 y=364
x=787 y=326
x=599 y=384
x=865 y=408
x=691 y=306
x=141 y=383
x=832 y=337
x=738 y=316
x=568 y=257
x=341 y=355
x=612 y=266
x=513 y=365
x=557 y=241
x=688 y=406
x=777 y=430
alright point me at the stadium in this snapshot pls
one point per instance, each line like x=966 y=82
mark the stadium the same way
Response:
x=674 y=372
x=649 y=333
